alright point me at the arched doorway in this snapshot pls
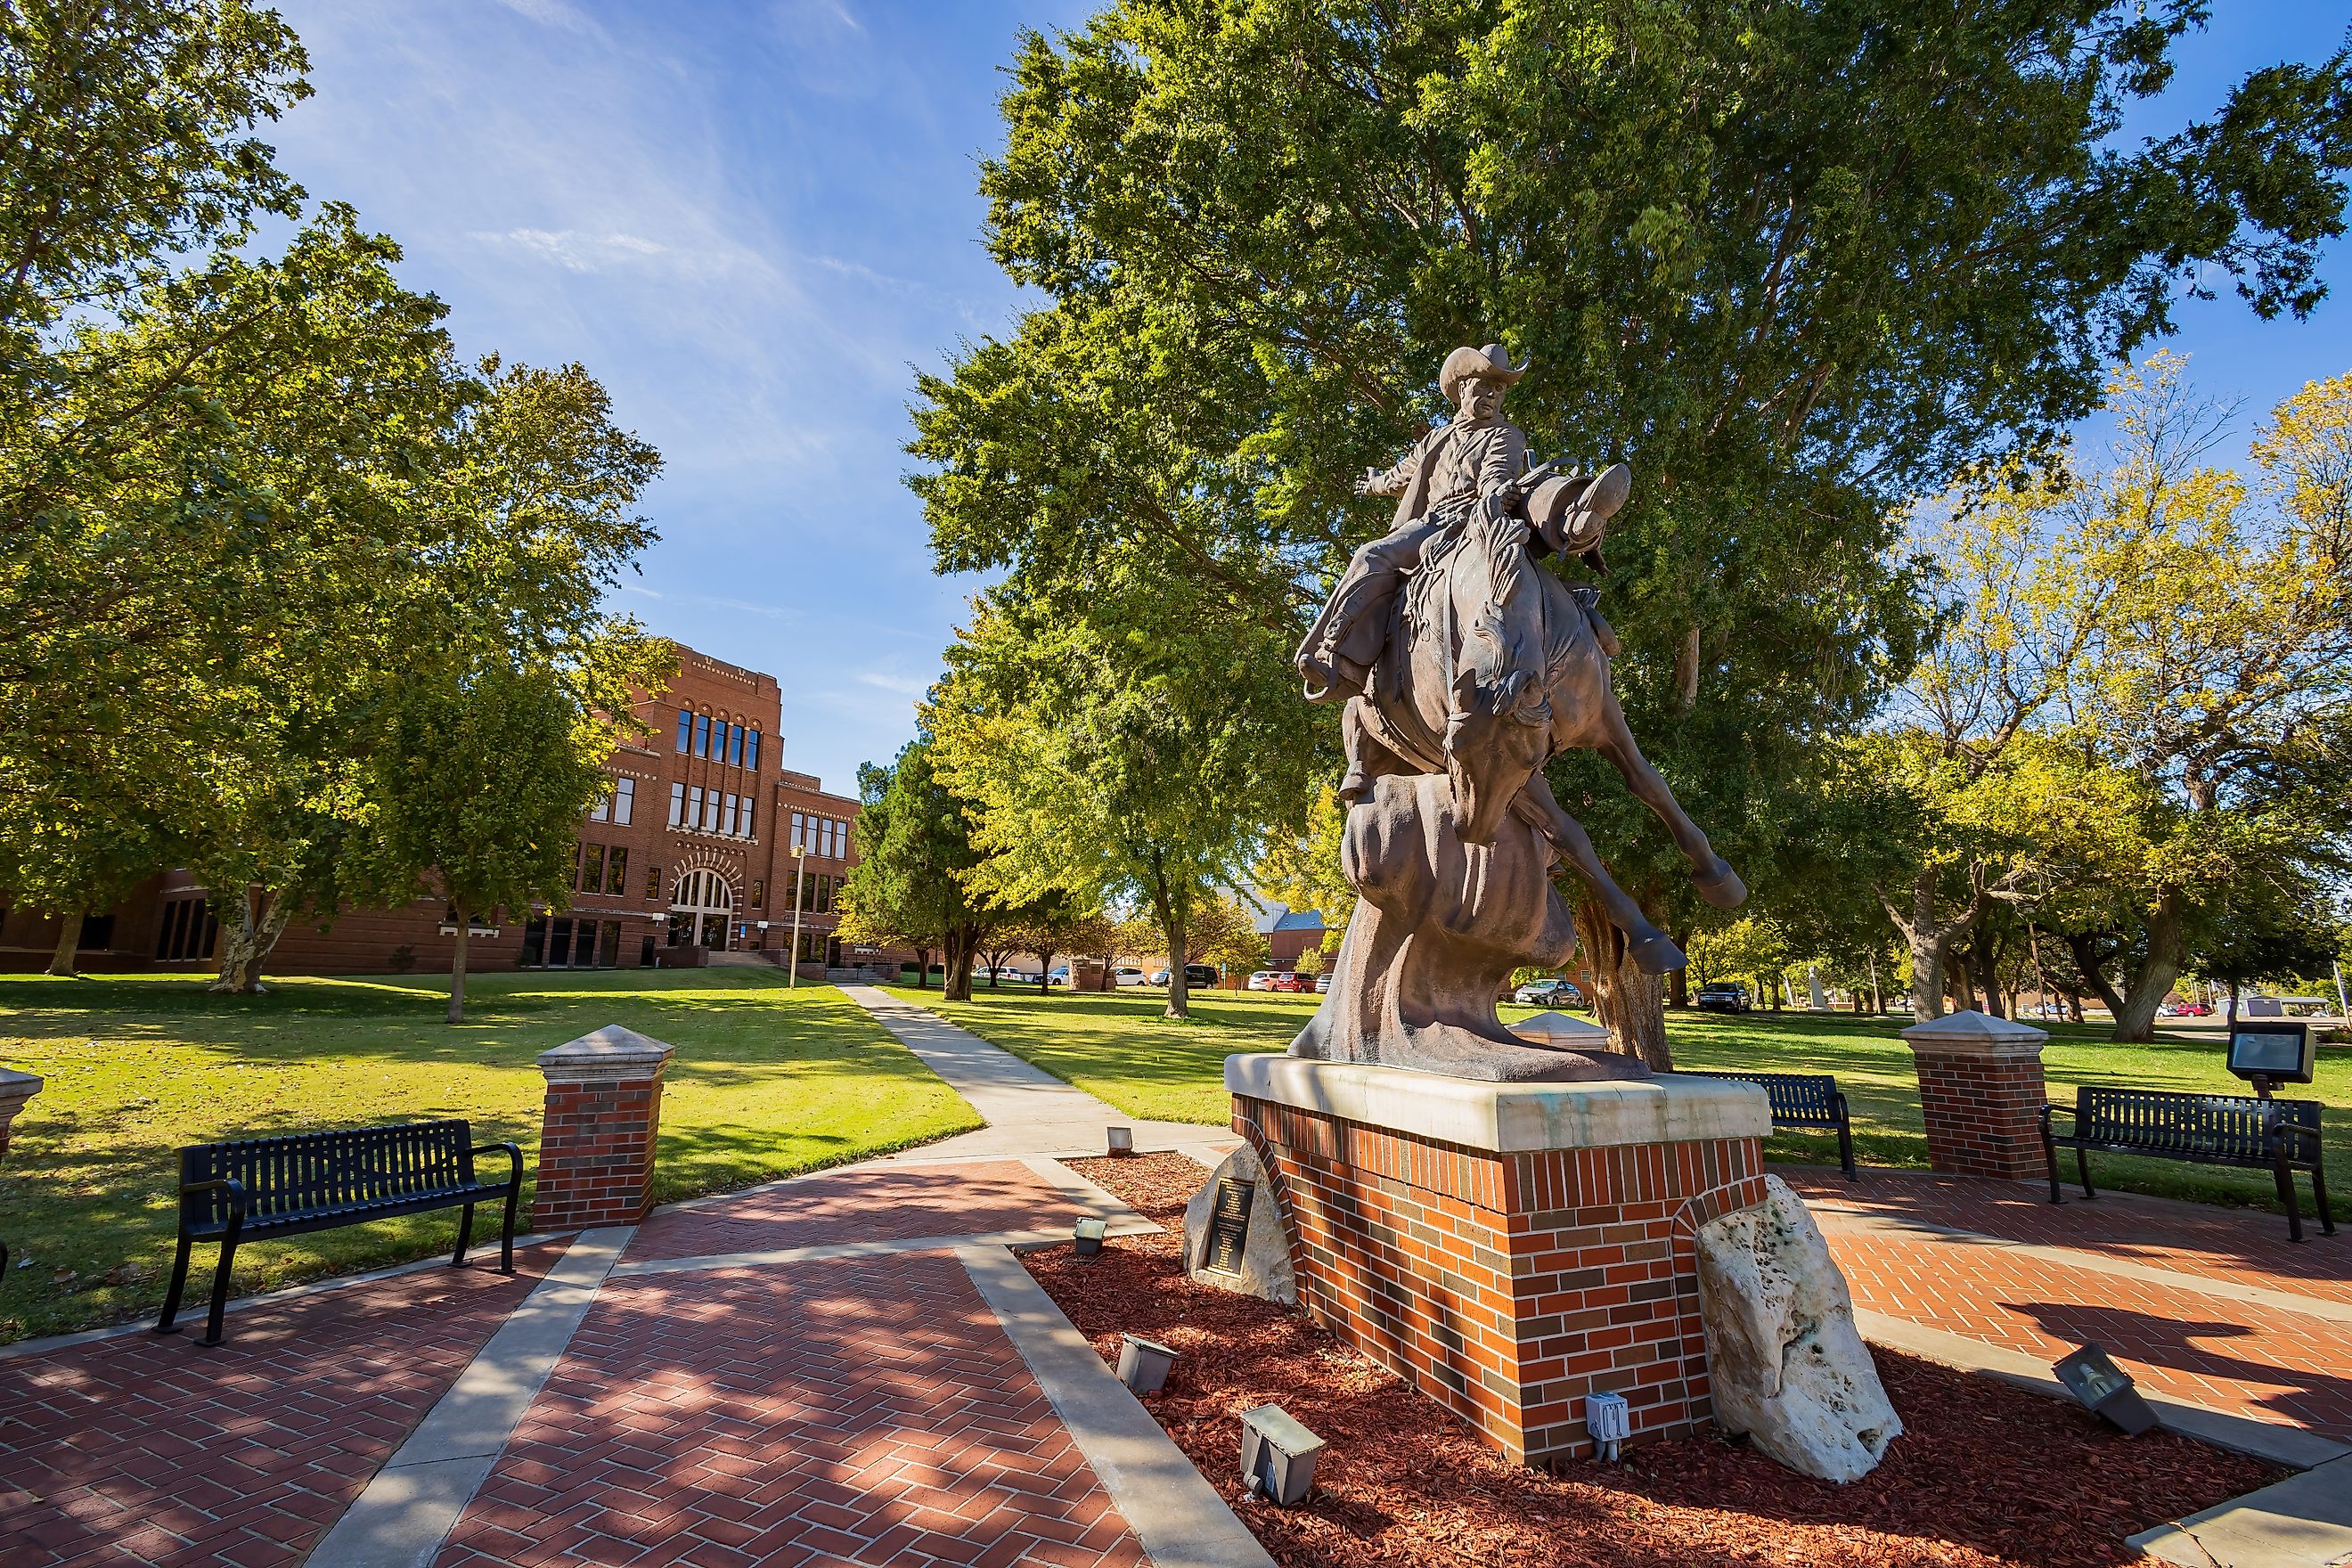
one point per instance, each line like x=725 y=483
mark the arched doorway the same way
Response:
x=702 y=910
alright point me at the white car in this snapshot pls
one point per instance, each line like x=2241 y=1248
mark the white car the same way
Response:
x=1126 y=977
x=1262 y=980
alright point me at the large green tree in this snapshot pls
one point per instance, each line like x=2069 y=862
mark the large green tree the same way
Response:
x=914 y=883
x=1793 y=263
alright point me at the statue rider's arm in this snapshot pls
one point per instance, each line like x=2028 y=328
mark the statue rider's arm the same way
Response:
x=1395 y=482
x=1503 y=459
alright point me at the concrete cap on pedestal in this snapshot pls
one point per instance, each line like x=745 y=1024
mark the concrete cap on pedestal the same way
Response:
x=1561 y=1032
x=1507 y=1118
x=16 y=1089
x=605 y=1055
x=1975 y=1033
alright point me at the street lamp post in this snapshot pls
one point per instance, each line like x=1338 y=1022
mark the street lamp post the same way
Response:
x=800 y=869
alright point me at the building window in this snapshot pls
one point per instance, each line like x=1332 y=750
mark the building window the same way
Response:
x=710 y=811
x=702 y=734
x=735 y=744
x=603 y=809
x=694 y=807
x=653 y=881
x=799 y=823
x=746 y=817
x=685 y=729
x=733 y=813
x=617 y=871
x=624 y=801
x=758 y=893
x=591 y=867
x=751 y=751
x=187 y=931
x=677 y=805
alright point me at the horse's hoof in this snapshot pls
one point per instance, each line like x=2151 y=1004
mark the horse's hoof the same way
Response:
x=1657 y=953
x=1721 y=886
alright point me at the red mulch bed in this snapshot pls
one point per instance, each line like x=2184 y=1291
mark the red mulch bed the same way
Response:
x=1985 y=1474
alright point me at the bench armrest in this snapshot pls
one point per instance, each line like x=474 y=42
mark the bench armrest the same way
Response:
x=229 y=1185
x=514 y=1159
x=2053 y=1109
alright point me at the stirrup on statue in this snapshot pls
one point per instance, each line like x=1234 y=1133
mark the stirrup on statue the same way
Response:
x=1332 y=681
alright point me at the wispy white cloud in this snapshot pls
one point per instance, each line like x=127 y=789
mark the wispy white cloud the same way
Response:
x=557 y=13
x=901 y=685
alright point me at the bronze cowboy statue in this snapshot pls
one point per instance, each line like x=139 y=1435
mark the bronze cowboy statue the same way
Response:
x=1466 y=667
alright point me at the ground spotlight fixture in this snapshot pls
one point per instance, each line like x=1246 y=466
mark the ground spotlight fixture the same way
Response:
x=1610 y=1420
x=2105 y=1389
x=1122 y=1140
x=1088 y=1239
x=1143 y=1363
x=1278 y=1455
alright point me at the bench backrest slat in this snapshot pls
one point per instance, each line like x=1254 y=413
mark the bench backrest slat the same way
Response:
x=2227 y=1126
x=1795 y=1096
x=306 y=1172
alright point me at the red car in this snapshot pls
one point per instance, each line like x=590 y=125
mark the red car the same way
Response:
x=1290 y=980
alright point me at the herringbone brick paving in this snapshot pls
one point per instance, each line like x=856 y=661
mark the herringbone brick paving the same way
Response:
x=855 y=1410
x=149 y=1450
x=897 y=1204
x=2235 y=1356
x=2243 y=1246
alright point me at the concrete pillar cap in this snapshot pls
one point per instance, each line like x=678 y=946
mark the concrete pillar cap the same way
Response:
x=607 y=1054
x=1972 y=1033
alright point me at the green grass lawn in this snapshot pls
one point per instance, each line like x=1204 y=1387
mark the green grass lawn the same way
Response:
x=1119 y=1048
x=766 y=1082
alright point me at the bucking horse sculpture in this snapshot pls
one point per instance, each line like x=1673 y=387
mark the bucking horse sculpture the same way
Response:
x=1491 y=665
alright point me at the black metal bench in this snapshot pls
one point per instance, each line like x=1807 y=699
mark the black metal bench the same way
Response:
x=2281 y=1136
x=316 y=1181
x=1804 y=1101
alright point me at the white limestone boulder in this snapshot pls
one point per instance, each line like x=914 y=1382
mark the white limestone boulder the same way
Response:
x=1786 y=1365
x=1266 y=1270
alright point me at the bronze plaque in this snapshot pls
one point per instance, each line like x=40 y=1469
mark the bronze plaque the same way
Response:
x=1229 y=1225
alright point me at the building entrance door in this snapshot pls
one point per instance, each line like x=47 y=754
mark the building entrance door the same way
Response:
x=702 y=910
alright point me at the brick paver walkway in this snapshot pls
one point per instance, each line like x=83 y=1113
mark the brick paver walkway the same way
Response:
x=865 y=1410
x=2174 y=1313
x=143 y=1448
x=901 y=1204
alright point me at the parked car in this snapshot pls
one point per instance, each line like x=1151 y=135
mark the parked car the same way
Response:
x=1263 y=980
x=1721 y=998
x=1126 y=975
x=1289 y=980
x=1549 y=993
x=1195 y=976
x=1323 y=983
x=1060 y=976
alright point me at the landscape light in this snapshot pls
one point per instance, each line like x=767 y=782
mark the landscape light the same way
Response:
x=1143 y=1363
x=1610 y=1420
x=1278 y=1455
x=2105 y=1389
x=2270 y=1051
x=1088 y=1237
x=1122 y=1140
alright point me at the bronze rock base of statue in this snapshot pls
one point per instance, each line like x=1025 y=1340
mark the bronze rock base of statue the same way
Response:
x=1439 y=928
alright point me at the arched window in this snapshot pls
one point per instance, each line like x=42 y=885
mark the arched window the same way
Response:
x=700 y=911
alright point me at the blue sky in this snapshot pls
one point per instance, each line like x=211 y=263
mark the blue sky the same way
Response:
x=752 y=219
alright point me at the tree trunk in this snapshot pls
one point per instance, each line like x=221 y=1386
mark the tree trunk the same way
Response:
x=63 y=962
x=1955 y=976
x=922 y=969
x=2151 y=982
x=1627 y=1003
x=1045 y=973
x=1678 y=981
x=246 y=945
x=1930 y=941
x=1984 y=958
x=1173 y=922
x=2086 y=958
x=955 y=983
x=457 y=965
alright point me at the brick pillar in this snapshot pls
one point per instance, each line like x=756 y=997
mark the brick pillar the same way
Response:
x=1508 y=1248
x=16 y=1089
x=596 y=1144
x=1980 y=1093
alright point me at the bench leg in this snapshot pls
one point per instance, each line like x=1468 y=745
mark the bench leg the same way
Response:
x=2049 y=1162
x=220 y=1289
x=179 y=1282
x=2319 y=1200
x=506 y=1231
x=465 y=1237
x=2287 y=1196
x=1846 y=1153
x=2082 y=1165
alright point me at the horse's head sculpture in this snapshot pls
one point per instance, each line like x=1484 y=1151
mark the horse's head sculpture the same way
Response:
x=1499 y=719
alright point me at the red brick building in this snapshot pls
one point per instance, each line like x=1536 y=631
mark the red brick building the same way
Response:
x=693 y=852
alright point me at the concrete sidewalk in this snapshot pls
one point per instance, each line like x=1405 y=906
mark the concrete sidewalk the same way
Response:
x=1028 y=1110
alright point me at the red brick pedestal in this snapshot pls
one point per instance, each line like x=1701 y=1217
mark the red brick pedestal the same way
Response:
x=596 y=1144
x=1508 y=1248
x=1981 y=1094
